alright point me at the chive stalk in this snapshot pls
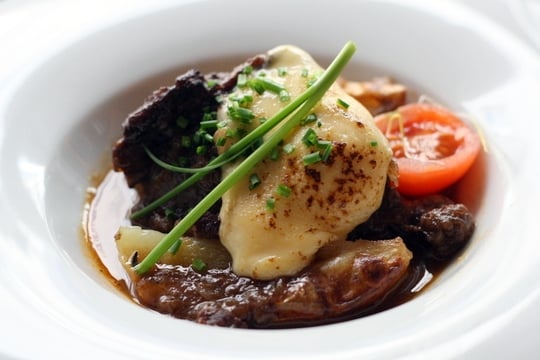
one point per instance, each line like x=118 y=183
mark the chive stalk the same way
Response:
x=301 y=107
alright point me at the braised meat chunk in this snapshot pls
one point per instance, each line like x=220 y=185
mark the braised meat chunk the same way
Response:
x=345 y=277
x=167 y=125
x=434 y=225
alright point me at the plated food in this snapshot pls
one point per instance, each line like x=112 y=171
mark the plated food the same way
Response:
x=252 y=212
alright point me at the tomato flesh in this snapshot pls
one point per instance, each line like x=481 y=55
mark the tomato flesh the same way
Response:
x=432 y=147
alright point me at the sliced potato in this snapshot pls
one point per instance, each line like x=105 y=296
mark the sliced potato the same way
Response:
x=131 y=239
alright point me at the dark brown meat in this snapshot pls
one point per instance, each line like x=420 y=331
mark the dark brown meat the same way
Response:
x=348 y=277
x=433 y=225
x=168 y=116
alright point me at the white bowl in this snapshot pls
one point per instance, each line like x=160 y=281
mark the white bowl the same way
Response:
x=60 y=118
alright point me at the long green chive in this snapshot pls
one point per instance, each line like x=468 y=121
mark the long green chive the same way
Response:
x=302 y=109
x=313 y=92
x=312 y=158
x=183 y=160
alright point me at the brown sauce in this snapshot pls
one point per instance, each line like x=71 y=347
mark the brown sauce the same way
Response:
x=108 y=204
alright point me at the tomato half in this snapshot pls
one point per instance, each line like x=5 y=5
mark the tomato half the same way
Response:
x=432 y=146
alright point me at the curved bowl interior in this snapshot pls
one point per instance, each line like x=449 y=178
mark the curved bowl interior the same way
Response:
x=65 y=115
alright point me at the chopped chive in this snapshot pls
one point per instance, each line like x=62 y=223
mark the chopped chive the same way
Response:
x=283 y=190
x=305 y=72
x=182 y=122
x=260 y=85
x=254 y=181
x=284 y=96
x=341 y=103
x=248 y=69
x=186 y=141
x=198 y=265
x=221 y=141
x=241 y=114
x=270 y=203
x=301 y=106
x=174 y=248
x=246 y=100
x=312 y=158
x=209 y=124
x=309 y=119
x=282 y=71
x=326 y=152
x=374 y=143
x=241 y=80
x=201 y=149
x=262 y=120
x=222 y=124
x=230 y=133
x=288 y=148
x=208 y=137
x=274 y=154
x=209 y=116
x=310 y=137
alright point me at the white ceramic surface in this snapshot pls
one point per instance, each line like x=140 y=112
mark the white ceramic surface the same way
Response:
x=61 y=112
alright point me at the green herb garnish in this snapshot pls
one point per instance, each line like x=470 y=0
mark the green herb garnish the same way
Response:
x=198 y=265
x=283 y=190
x=254 y=181
x=341 y=103
x=312 y=158
x=301 y=107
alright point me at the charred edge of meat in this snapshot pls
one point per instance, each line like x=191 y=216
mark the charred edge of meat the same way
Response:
x=155 y=125
x=434 y=225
